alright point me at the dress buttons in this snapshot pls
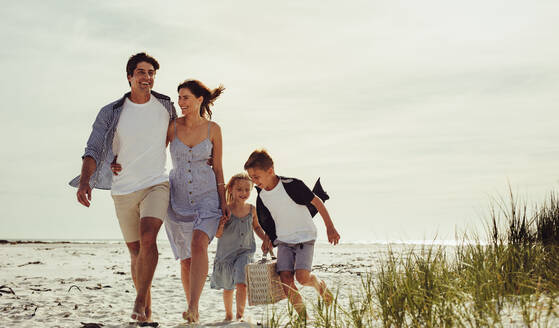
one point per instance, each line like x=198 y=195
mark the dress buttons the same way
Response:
x=190 y=181
x=191 y=202
x=190 y=192
x=189 y=170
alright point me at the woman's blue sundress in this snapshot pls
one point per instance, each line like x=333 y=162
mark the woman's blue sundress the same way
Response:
x=193 y=189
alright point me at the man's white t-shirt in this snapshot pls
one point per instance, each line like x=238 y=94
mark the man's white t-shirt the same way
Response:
x=139 y=143
x=294 y=223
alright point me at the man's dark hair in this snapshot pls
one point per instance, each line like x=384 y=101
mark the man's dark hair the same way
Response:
x=138 y=58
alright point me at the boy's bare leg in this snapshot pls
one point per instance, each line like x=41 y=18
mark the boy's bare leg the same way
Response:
x=198 y=273
x=292 y=292
x=228 y=303
x=145 y=266
x=185 y=277
x=241 y=299
x=305 y=278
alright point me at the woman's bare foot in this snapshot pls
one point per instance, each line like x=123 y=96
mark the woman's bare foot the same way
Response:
x=148 y=314
x=326 y=293
x=138 y=313
x=228 y=317
x=239 y=317
x=191 y=316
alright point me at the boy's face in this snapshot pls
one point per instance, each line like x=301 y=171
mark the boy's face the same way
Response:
x=265 y=179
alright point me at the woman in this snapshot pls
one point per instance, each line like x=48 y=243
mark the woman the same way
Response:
x=197 y=190
x=197 y=200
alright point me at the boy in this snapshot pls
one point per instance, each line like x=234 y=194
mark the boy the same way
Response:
x=285 y=207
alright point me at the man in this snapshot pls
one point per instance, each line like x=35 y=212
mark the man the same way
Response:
x=134 y=128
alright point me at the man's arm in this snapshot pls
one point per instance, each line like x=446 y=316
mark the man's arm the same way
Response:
x=84 y=190
x=333 y=235
x=92 y=155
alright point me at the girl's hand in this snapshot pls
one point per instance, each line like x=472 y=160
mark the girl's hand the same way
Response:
x=333 y=235
x=266 y=245
x=221 y=226
x=115 y=167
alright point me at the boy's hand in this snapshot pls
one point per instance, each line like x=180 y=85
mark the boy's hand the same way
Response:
x=333 y=235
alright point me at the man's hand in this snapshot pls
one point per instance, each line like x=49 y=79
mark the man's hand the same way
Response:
x=333 y=235
x=84 y=193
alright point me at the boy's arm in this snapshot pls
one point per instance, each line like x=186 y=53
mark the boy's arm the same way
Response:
x=333 y=235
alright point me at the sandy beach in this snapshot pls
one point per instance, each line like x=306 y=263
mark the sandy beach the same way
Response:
x=66 y=284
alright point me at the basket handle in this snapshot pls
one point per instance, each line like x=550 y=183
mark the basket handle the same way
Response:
x=271 y=252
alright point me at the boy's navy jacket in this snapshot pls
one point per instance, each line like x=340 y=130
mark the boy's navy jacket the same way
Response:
x=299 y=193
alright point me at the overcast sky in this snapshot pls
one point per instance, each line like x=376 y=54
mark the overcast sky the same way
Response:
x=415 y=114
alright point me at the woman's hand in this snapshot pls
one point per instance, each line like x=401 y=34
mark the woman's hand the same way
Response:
x=226 y=211
x=115 y=167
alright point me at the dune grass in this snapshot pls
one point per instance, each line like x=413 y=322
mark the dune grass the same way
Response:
x=511 y=278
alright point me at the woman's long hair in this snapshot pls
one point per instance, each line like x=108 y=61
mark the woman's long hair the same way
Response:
x=198 y=89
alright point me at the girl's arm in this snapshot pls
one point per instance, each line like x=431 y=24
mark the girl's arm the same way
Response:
x=266 y=243
x=215 y=136
x=333 y=235
x=256 y=226
x=220 y=227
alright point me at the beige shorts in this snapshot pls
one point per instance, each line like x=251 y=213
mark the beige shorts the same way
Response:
x=148 y=202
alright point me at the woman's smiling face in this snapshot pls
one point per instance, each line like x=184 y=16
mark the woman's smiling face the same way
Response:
x=188 y=101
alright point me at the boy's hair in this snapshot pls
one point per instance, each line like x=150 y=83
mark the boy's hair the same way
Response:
x=259 y=159
x=231 y=183
x=134 y=60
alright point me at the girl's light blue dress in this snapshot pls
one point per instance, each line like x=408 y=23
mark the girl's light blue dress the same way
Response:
x=235 y=249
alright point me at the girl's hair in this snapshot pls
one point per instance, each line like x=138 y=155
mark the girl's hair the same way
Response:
x=231 y=184
x=198 y=89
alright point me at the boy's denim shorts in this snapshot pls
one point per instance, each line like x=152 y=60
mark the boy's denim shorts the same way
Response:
x=293 y=257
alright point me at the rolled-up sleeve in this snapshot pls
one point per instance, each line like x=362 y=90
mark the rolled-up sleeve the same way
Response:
x=94 y=146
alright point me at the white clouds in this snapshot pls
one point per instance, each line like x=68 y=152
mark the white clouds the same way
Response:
x=416 y=109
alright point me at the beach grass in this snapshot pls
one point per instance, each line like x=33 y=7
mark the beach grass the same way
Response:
x=508 y=278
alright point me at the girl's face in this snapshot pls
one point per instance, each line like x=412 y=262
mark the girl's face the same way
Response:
x=241 y=190
x=188 y=102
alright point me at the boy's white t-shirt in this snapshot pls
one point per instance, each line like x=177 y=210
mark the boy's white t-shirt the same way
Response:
x=139 y=142
x=294 y=223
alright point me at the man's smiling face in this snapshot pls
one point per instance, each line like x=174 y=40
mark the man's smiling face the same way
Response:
x=142 y=78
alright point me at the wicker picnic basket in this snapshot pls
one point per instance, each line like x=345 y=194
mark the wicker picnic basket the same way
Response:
x=263 y=282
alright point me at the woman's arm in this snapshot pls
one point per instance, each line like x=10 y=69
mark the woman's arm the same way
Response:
x=215 y=137
x=170 y=132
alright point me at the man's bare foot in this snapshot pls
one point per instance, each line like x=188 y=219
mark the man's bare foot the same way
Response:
x=326 y=293
x=228 y=317
x=239 y=317
x=139 y=312
x=191 y=316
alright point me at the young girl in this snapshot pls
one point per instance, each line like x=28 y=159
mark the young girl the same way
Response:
x=236 y=245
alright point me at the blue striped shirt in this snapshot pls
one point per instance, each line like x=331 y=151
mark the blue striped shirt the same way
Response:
x=100 y=142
